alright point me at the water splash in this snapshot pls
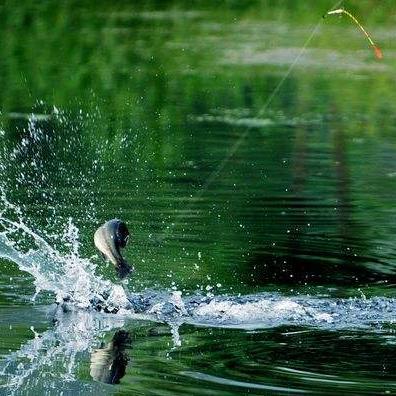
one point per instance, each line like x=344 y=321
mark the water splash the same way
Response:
x=72 y=278
x=268 y=310
x=67 y=275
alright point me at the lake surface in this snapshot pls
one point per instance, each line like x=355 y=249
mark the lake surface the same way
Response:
x=249 y=147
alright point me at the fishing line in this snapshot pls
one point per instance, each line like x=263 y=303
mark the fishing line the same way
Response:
x=234 y=148
x=377 y=50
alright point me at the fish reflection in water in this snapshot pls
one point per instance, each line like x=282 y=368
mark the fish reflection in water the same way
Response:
x=64 y=345
x=108 y=363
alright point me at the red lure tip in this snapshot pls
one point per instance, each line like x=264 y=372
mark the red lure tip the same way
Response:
x=378 y=52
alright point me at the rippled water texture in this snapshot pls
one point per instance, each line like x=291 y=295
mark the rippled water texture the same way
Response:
x=249 y=146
